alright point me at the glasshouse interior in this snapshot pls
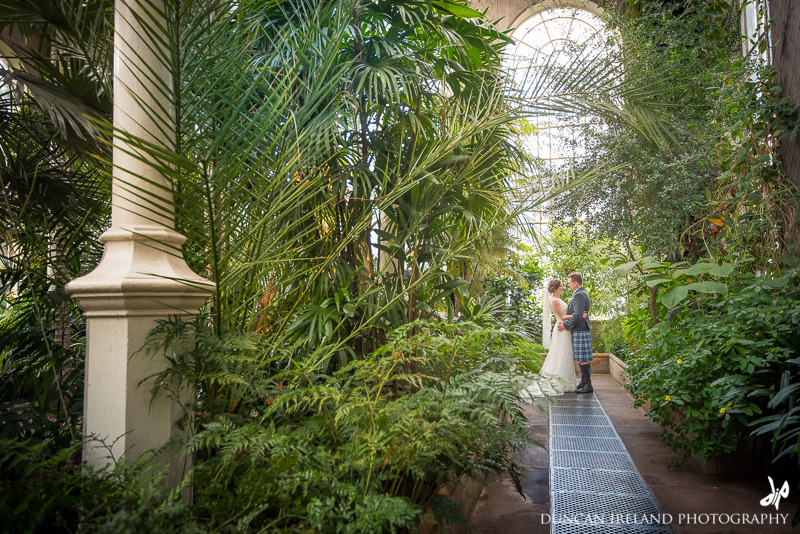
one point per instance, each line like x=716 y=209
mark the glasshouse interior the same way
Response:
x=368 y=266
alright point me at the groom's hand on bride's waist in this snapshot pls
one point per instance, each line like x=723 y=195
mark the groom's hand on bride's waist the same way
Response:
x=561 y=326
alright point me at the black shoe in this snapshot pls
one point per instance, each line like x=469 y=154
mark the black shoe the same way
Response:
x=580 y=385
x=585 y=385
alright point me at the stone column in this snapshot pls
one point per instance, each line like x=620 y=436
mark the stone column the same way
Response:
x=142 y=276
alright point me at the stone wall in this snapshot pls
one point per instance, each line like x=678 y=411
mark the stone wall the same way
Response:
x=786 y=61
x=512 y=13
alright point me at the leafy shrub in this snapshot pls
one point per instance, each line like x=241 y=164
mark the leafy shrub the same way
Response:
x=527 y=355
x=614 y=335
x=511 y=282
x=41 y=382
x=708 y=371
x=41 y=491
x=281 y=444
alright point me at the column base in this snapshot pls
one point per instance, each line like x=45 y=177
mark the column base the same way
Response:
x=141 y=278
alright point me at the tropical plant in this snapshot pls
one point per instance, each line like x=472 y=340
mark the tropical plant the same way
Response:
x=710 y=367
x=753 y=201
x=340 y=169
x=368 y=446
x=513 y=282
x=575 y=248
x=653 y=194
x=300 y=126
x=47 y=492
x=713 y=217
x=54 y=203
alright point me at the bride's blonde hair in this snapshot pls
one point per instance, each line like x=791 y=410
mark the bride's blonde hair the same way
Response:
x=554 y=284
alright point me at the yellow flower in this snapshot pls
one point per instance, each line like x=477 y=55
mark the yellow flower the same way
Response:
x=668 y=398
x=680 y=361
x=722 y=410
x=730 y=404
x=780 y=311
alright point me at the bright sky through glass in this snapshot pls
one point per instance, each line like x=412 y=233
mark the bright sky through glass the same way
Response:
x=558 y=37
x=554 y=37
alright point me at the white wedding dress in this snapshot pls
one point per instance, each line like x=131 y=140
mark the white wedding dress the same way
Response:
x=558 y=370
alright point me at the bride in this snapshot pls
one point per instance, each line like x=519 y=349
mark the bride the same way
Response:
x=558 y=370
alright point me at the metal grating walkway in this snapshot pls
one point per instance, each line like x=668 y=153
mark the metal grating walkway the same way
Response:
x=594 y=485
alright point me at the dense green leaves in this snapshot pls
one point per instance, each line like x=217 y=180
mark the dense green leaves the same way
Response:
x=363 y=449
x=575 y=248
x=336 y=192
x=719 y=366
x=654 y=192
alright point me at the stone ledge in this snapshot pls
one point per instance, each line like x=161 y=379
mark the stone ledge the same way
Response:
x=618 y=369
x=605 y=363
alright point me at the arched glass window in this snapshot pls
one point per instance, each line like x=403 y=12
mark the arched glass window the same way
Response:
x=555 y=37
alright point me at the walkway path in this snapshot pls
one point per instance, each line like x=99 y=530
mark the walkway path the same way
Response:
x=689 y=495
x=594 y=485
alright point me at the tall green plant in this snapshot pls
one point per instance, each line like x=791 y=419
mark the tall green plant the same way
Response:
x=337 y=168
x=576 y=248
x=53 y=205
x=653 y=194
x=367 y=448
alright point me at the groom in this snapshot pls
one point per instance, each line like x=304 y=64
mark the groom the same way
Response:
x=580 y=331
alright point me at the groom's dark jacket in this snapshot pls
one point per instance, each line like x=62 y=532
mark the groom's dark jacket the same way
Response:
x=578 y=304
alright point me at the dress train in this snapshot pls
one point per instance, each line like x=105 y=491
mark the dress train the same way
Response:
x=558 y=370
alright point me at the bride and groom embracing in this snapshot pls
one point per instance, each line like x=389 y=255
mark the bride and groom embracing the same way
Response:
x=571 y=340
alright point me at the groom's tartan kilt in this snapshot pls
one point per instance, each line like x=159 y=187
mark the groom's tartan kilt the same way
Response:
x=582 y=346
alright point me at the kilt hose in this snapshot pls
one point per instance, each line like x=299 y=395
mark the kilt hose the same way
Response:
x=582 y=346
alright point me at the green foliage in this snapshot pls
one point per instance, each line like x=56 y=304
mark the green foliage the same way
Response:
x=529 y=356
x=614 y=336
x=667 y=284
x=709 y=369
x=41 y=381
x=364 y=449
x=718 y=191
x=711 y=18
x=341 y=202
x=752 y=200
x=651 y=193
x=42 y=491
x=54 y=202
x=576 y=248
x=513 y=281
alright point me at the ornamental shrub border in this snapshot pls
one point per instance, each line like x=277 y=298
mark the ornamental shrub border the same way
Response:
x=724 y=365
